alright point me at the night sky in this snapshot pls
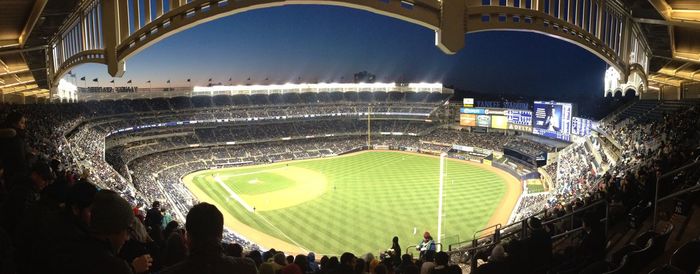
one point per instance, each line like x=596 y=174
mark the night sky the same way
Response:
x=329 y=44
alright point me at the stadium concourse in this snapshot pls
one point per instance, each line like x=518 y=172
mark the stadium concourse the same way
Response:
x=56 y=157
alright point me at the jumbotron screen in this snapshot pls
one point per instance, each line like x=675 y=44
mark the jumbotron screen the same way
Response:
x=552 y=119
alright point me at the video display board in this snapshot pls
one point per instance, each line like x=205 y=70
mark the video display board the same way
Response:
x=498 y=121
x=467 y=120
x=552 y=119
x=483 y=120
x=581 y=126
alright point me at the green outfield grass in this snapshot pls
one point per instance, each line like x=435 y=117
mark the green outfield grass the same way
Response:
x=356 y=203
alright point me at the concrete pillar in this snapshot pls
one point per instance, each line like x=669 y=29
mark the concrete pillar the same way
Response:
x=450 y=37
x=110 y=31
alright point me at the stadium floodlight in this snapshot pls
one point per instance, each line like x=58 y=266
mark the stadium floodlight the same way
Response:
x=441 y=182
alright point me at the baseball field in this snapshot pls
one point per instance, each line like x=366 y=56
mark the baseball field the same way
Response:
x=356 y=202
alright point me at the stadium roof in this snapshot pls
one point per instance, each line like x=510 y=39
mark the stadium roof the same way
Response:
x=672 y=28
x=25 y=28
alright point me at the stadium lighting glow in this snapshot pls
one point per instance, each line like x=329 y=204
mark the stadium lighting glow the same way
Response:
x=65 y=85
x=324 y=87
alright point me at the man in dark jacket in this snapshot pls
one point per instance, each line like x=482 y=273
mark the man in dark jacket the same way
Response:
x=24 y=195
x=13 y=147
x=154 y=220
x=538 y=246
x=205 y=227
x=592 y=247
x=110 y=221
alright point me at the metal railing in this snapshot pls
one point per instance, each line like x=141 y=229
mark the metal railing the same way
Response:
x=520 y=229
x=414 y=248
x=694 y=164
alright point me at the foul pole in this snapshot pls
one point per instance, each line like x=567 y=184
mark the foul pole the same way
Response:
x=369 y=127
x=442 y=183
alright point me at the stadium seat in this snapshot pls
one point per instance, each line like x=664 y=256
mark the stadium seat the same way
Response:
x=686 y=257
x=620 y=269
x=639 y=258
x=661 y=239
x=666 y=269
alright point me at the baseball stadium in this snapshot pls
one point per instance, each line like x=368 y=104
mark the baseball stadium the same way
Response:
x=332 y=137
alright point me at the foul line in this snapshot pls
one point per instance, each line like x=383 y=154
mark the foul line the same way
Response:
x=281 y=232
x=233 y=194
x=250 y=209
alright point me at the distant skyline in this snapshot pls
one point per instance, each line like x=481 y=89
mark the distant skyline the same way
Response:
x=329 y=44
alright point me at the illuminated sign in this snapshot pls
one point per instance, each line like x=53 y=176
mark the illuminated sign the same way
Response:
x=492 y=111
x=483 y=120
x=468 y=102
x=467 y=120
x=472 y=111
x=500 y=122
x=519 y=117
x=519 y=127
x=581 y=126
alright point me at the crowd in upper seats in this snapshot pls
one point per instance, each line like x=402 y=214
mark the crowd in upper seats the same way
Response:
x=527 y=146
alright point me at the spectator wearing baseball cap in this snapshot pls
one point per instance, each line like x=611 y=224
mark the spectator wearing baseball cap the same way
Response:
x=110 y=222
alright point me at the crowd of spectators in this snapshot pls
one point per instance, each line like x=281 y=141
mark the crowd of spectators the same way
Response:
x=53 y=164
x=527 y=146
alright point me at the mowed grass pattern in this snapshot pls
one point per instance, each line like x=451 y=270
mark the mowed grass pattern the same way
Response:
x=370 y=198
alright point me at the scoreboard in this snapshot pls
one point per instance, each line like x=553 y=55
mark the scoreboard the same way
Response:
x=581 y=126
x=499 y=118
x=553 y=119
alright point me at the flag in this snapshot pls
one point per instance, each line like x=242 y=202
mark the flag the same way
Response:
x=265 y=78
x=229 y=79
x=188 y=80
x=82 y=78
x=168 y=81
x=71 y=74
x=148 y=82
x=112 y=81
x=128 y=82
x=95 y=80
x=248 y=78
x=209 y=79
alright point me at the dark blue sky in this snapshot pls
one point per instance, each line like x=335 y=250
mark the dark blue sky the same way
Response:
x=324 y=43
